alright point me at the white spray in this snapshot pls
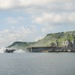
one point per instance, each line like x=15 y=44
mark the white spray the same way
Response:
x=2 y=50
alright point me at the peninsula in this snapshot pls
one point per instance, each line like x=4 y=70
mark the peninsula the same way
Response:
x=60 y=40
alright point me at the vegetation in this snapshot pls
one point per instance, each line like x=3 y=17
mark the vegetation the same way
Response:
x=46 y=41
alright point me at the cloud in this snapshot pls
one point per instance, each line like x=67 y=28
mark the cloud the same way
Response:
x=11 y=20
x=20 y=18
x=52 y=18
x=46 y=16
x=14 y=20
x=53 y=21
x=32 y=4
x=8 y=36
x=48 y=28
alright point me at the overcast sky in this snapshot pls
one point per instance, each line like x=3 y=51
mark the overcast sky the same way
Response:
x=30 y=20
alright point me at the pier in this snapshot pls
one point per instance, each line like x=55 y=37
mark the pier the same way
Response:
x=50 y=49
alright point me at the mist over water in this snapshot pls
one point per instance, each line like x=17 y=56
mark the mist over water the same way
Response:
x=19 y=51
x=2 y=50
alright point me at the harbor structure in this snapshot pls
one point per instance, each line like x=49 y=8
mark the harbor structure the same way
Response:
x=54 y=47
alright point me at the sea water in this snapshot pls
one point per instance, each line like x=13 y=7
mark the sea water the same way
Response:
x=37 y=64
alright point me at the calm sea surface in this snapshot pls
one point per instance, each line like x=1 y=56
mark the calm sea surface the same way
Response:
x=37 y=64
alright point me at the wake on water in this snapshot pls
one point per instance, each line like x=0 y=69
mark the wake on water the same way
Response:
x=20 y=51
x=2 y=50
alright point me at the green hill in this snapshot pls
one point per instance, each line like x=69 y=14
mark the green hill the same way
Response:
x=46 y=41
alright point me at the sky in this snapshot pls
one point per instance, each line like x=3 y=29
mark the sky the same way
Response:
x=30 y=20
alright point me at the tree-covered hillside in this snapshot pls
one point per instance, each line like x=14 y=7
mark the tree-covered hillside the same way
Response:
x=46 y=41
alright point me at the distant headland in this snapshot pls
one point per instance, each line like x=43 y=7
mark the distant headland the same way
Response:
x=62 y=41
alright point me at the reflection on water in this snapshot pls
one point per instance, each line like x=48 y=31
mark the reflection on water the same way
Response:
x=37 y=64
